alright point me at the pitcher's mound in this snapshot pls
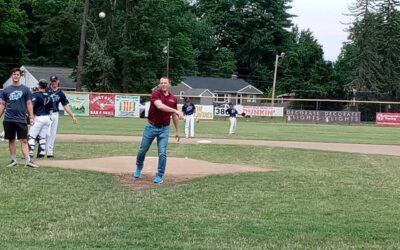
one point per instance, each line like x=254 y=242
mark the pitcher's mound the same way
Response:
x=178 y=169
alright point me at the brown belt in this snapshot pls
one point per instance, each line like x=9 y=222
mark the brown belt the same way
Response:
x=158 y=125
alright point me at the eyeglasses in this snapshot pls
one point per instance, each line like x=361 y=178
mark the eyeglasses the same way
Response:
x=54 y=81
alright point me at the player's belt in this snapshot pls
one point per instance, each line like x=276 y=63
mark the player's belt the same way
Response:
x=157 y=125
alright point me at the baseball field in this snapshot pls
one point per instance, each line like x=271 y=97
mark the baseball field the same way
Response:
x=308 y=198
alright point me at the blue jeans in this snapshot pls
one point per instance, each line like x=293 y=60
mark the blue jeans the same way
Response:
x=150 y=132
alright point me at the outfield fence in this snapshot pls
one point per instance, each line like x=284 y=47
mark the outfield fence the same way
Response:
x=209 y=107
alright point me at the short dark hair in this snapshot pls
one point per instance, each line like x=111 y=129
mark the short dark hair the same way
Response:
x=15 y=70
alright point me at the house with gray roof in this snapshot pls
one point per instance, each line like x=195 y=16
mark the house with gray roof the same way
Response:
x=217 y=91
x=32 y=74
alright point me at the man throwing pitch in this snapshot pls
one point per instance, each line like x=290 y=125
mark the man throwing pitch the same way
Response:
x=163 y=104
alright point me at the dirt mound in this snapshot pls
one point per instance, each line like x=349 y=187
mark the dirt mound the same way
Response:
x=178 y=169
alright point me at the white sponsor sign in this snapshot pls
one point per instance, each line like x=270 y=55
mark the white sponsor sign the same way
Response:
x=203 y=112
x=252 y=111
x=127 y=106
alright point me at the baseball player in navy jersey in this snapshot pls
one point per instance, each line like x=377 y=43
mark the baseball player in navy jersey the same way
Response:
x=42 y=106
x=232 y=112
x=189 y=111
x=57 y=96
x=16 y=102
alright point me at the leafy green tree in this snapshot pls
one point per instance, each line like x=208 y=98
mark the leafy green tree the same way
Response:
x=142 y=29
x=98 y=67
x=304 y=70
x=13 y=32
x=255 y=31
x=222 y=63
x=54 y=27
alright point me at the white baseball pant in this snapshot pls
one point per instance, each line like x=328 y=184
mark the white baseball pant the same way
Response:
x=232 y=123
x=39 y=130
x=51 y=135
x=189 y=125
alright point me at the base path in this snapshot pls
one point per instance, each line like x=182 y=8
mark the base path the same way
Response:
x=338 y=147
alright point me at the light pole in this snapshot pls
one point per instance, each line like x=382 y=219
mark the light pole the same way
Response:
x=275 y=74
x=166 y=51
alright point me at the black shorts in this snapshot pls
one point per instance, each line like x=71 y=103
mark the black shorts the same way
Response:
x=12 y=129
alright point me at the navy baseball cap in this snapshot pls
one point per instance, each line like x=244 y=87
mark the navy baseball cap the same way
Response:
x=53 y=78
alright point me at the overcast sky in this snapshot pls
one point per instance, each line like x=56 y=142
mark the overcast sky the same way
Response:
x=323 y=18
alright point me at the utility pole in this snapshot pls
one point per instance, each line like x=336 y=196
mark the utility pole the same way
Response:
x=168 y=58
x=275 y=75
x=81 y=55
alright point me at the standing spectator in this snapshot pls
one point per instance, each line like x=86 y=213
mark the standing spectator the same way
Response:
x=42 y=106
x=162 y=105
x=189 y=111
x=232 y=112
x=57 y=96
x=16 y=101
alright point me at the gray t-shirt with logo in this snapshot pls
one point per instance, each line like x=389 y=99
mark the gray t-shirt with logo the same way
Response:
x=15 y=98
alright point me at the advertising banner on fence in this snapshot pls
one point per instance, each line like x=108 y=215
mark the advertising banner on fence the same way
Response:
x=261 y=111
x=127 y=106
x=203 y=112
x=313 y=116
x=101 y=104
x=78 y=103
x=388 y=119
x=252 y=111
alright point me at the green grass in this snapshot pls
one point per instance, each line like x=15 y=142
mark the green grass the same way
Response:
x=317 y=200
x=265 y=130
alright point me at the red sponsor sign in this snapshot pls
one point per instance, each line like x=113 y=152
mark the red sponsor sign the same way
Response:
x=388 y=119
x=101 y=104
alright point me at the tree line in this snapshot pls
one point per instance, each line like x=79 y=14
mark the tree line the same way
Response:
x=126 y=51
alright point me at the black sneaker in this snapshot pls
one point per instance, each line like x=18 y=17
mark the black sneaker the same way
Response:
x=50 y=156
x=13 y=163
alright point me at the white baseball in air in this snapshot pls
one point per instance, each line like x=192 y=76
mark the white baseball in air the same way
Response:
x=102 y=14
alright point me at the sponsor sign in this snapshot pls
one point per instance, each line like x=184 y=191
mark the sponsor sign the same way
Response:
x=203 y=112
x=261 y=111
x=388 y=119
x=127 y=106
x=251 y=111
x=78 y=103
x=313 y=116
x=101 y=104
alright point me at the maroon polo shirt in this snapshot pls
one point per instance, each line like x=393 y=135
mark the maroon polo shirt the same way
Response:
x=157 y=116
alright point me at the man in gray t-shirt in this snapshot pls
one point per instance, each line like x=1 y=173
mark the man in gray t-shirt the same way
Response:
x=16 y=103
